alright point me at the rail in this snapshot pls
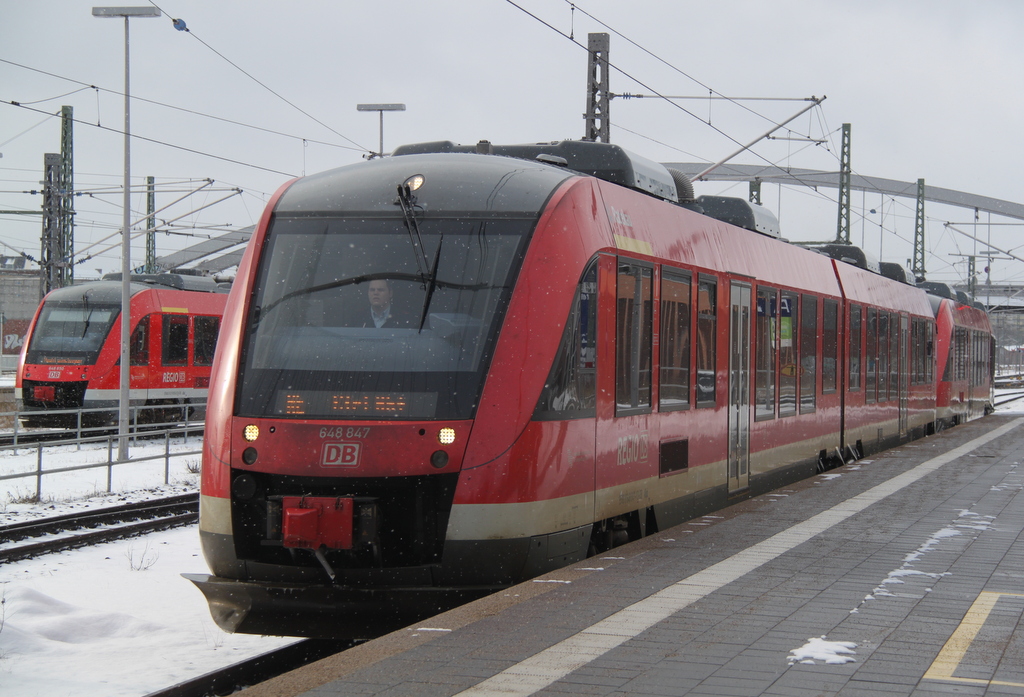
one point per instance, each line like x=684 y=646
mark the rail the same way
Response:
x=32 y=538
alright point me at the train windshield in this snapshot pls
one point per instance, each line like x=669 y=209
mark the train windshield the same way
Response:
x=358 y=318
x=70 y=332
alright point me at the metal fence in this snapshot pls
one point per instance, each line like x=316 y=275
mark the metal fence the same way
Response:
x=142 y=427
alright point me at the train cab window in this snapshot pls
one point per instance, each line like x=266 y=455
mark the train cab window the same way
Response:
x=788 y=366
x=175 y=343
x=765 y=353
x=571 y=388
x=674 y=381
x=855 y=359
x=707 y=335
x=883 y=356
x=205 y=331
x=871 y=356
x=808 y=352
x=829 y=344
x=633 y=338
x=140 y=343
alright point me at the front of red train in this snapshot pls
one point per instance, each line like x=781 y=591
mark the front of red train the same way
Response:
x=68 y=357
x=351 y=359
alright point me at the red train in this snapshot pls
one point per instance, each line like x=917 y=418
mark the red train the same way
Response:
x=71 y=355
x=456 y=368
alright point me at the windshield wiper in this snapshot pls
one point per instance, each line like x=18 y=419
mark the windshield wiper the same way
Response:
x=88 y=315
x=431 y=283
x=406 y=200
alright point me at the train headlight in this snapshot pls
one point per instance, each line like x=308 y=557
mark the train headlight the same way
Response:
x=414 y=182
x=439 y=459
x=446 y=436
x=251 y=433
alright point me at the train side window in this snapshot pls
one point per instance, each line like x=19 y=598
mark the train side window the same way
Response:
x=871 y=356
x=829 y=344
x=571 y=388
x=175 y=344
x=916 y=361
x=707 y=336
x=961 y=353
x=930 y=352
x=894 y=353
x=788 y=365
x=205 y=342
x=633 y=338
x=765 y=353
x=976 y=359
x=883 y=356
x=855 y=336
x=140 y=343
x=674 y=381
x=808 y=352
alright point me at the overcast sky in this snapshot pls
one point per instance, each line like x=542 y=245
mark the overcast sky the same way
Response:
x=930 y=88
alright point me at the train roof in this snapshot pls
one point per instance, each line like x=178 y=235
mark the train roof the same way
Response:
x=177 y=281
x=602 y=160
x=108 y=290
x=457 y=184
x=846 y=253
x=617 y=165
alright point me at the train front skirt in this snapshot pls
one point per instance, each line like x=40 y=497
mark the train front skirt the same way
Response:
x=324 y=611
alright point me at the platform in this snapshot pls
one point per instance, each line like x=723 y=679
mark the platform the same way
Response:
x=902 y=574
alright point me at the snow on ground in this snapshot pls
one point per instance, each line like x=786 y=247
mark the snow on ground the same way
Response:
x=117 y=619
x=111 y=620
x=832 y=652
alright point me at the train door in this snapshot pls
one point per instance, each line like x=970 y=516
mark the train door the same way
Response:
x=739 y=386
x=904 y=379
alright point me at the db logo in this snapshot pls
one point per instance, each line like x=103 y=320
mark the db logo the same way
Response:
x=54 y=373
x=340 y=455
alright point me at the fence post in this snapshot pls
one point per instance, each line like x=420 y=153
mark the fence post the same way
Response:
x=110 y=463
x=39 y=470
x=167 y=457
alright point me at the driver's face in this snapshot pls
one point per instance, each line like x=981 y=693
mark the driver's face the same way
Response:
x=379 y=295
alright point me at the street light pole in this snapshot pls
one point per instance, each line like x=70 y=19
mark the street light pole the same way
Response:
x=380 y=108
x=124 y=401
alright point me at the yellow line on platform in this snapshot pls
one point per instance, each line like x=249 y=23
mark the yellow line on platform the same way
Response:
x=949 y=658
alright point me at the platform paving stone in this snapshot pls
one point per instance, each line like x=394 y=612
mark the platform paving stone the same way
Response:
x=897 y=579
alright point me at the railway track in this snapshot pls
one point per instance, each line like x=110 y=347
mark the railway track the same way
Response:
x=1010 y=397
x=34 y=538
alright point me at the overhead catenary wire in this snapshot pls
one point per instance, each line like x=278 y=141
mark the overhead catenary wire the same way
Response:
x=658 y=93
x=173 y=107
x=180 y=26
x=135 y=136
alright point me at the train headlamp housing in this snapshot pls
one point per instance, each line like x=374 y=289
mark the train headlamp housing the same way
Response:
x=251 y=433
x=414 y=182
x=446 y=436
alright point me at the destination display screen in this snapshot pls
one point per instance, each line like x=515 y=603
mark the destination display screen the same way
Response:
x=377 y=405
